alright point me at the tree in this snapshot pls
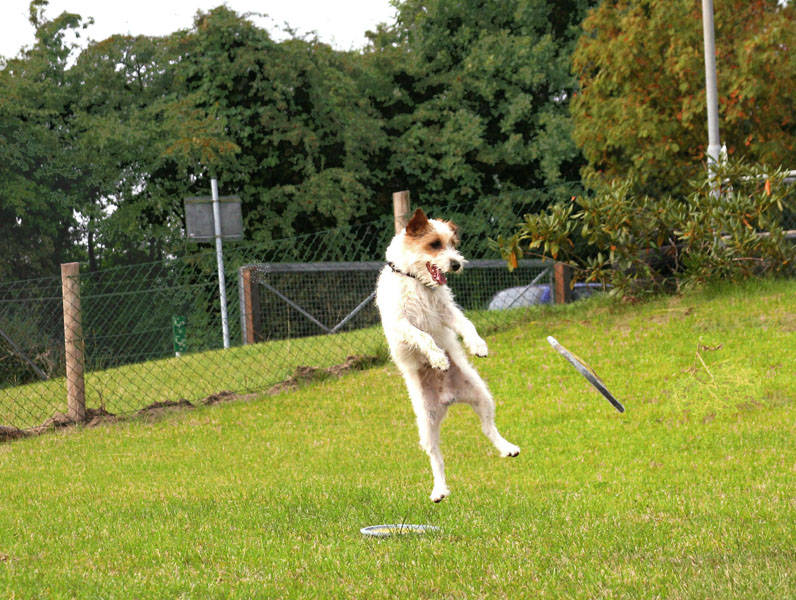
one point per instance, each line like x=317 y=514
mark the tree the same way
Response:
x=456 y=100
x=94 y=155
x=475 y=95
x=292 y=108
x=37 y=222
x=134 y=142
x=641 y=108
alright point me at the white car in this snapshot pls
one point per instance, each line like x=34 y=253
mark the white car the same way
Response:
x=528 y=295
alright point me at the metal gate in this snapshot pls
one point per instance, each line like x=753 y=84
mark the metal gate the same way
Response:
x=283 y=300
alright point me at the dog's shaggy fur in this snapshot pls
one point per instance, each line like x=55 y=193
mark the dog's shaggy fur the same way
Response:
x=421 y=323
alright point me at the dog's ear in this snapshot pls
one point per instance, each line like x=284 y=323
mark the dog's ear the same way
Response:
x=455 y=229
x=418 y=224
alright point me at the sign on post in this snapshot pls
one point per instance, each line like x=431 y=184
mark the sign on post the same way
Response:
x=199 y=218
x=215 y=218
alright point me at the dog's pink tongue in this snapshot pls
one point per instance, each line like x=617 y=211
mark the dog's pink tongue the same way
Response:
x=436 y=274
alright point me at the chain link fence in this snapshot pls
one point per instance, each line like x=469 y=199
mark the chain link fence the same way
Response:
x=31 y=351
x=151 y=334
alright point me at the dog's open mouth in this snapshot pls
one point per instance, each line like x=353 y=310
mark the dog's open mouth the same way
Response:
x=437 y=275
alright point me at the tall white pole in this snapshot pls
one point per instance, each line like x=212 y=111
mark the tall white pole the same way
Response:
x=222 y=286
x=714 y=145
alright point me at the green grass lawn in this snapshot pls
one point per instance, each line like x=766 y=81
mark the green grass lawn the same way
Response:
x=689 y=494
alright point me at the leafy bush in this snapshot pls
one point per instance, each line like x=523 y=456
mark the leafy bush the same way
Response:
x=728 y=227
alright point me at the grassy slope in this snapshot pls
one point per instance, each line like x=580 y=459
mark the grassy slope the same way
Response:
x=688 y=494
x=193 y=376
x=241 y=369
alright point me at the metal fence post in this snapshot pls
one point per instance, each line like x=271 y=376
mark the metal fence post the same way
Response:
x=73 y=342
x=711 y=93
x=222 y=286
x=400 y=209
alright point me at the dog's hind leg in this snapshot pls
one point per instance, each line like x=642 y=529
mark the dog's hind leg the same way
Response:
x=424 y=392
x=428 y=427
x=469 y=388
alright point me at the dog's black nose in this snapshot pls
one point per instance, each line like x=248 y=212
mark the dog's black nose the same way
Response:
x=455 y=265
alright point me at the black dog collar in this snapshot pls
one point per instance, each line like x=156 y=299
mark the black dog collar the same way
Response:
x=405 y=274
x=397 y=270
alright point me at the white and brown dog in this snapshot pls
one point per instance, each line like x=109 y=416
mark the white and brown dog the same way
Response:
x=421 y=323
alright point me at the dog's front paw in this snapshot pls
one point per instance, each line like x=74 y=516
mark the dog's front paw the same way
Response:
x=509 y=449
x=438 y=493
x=438 y=360
x=478 y=347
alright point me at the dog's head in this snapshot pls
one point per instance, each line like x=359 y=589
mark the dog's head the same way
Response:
x=427 y=250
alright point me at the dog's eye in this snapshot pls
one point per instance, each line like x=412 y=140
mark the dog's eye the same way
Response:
x=436 y=245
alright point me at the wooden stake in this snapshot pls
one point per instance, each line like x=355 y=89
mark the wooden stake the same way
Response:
x=400 y=209
x=250 y=307
x=562 y=283
x=74 y=345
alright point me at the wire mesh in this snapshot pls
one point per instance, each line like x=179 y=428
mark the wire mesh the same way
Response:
x=31 y=350
x=151 y=333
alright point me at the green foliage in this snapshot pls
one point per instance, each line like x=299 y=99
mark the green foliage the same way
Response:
x=738 y=232
x=36 y=217
x=641 y=108
x=27 y=336
x=292 y=109
x=641 y=244
x=98 y=155
x=458 y=101
x=134 y=140
x=94 y=153
x=475 y=96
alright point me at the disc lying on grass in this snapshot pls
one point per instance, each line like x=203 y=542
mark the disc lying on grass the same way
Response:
x=398 y=529
x=585 y=370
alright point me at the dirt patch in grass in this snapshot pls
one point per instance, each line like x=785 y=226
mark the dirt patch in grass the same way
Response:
x=304 y=374
x=94 y=416
x=11 y=433
x=157 y=408
x=224 y=396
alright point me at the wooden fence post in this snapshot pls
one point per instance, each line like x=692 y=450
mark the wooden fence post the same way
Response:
x=74 y=345
x=562 y=283
x=400 y=209
x=251 y=324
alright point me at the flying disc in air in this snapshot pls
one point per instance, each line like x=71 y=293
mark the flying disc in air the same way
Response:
x=397 y=529
x=585 y=370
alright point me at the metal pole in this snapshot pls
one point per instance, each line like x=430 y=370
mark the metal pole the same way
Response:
x=714 y=145
x=222 y=286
